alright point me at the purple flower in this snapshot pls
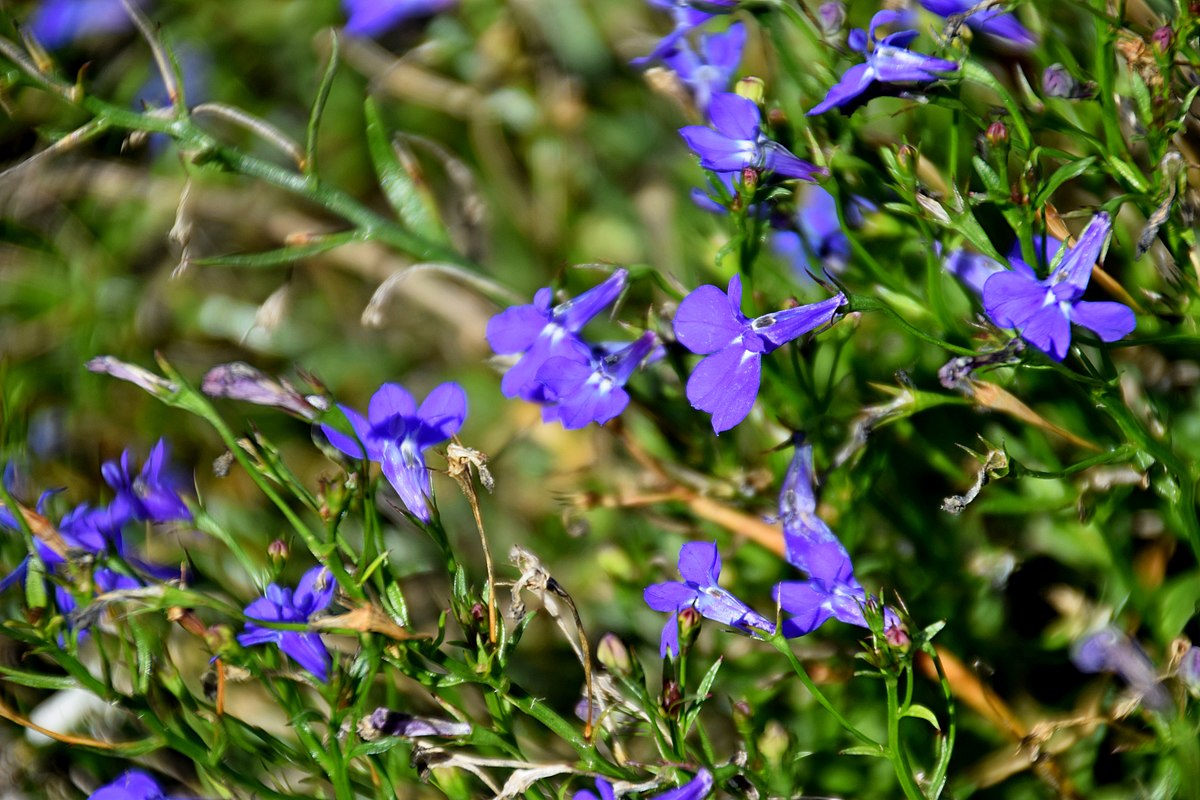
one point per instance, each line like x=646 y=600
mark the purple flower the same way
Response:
x=831 y=589
x=817 y=243
x=993 y=22
x=373 y=17
x=152 y=495
x=588 y=387
x=58 y=23
x=695 y=789
x=1043 y=310
x=687 y=15
x=700 y=566
x=314 y=593
x=710 y=322
x=84 y=530
x=1110 y=650
x=132 y=785
x=539 y=333
x=711 y=71
x=888 y=62
x=739 y=141
x=240 y=381
x=395 y=432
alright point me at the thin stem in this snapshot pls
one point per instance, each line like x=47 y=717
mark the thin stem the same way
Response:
x=895 y=748
x=781 y=644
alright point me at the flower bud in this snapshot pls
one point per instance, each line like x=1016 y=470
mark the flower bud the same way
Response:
x=897 y=637
x=672 y=698
x=751 y=88
x=1058 y=82
x=689 y=627
x=750 y=178
x=277 y=551
x=997 y=134
x=832 y=17
x=773 y=743
x=614 y=655
x=1162 y=39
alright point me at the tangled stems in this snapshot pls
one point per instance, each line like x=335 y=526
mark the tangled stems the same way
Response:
x=203 y=148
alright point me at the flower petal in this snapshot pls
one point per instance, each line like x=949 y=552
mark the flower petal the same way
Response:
x=1108 y=320
x=700 y=563
x=725 y=384
x=391 y=400
x=717 y=151
x=706 y=321
x=1049 y=331
x=1012 y=298
x=852 y=83
x=405 y=470
x=308 y=651
x=806 y=602
x=782 y=162
x=784 y=326
x=669 y=596
x=348 y=444
x=441 y=414
x=1075 y=269
x=515 y=329
x=697 y=788
x=577 y=312
x=314 y=592
x=736 y=117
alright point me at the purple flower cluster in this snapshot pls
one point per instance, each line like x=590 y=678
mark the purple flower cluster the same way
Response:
x=313 y=594
x=888 y=62
x=831 y=590
x=709 y=69
x=576 y=382
x=396 y=433
x=152 y=495
x=710 y=322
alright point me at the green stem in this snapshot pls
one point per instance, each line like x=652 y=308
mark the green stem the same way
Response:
x=781 y=644
x=895 y=748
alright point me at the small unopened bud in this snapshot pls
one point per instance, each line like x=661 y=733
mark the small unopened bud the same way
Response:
x=832 y=17
x=672 y=698
x=689 y=627
x=1058 y=82
x=773 y=743
x=144 y=378
x=897 y=637
x=742 y=712
x=277 y=551
x=750 y=178
x=614 y=655
x=751 y=88
x=1162 y=39
x=906 y=157
x=997 y=134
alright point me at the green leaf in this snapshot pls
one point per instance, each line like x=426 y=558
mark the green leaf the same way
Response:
x=1178 y=601
x=283 y=256
x=706 y=683
x=35 y=583
x=921 y=712
x=36 y=681
x=989 y=177
x=1067 y=172
x=405 y=189
x=871 y=750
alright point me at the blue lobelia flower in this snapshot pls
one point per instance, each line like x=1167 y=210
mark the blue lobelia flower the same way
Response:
x=1111 y=650
x=395 y=432
x=710 y=322
x=814 y=242
x=153 y=495
x=888 y=62
x=589 y=386
x=737 y=141
x=58 y=23
x=831 y=589
x=687 y=15
x=993 y=22
x=974 y=269
x=697 y=788
x=700 y=566
x=132 y=785
x=710 y=71
x=374 y=17
x=539 y=333
x=1043 y=310
x=314 y=593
